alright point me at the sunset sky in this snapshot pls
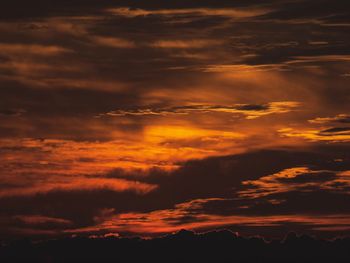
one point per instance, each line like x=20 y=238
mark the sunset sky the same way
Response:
x=147 y=117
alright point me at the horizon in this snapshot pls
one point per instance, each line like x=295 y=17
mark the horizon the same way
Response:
x=180 y=234
x=188 y=246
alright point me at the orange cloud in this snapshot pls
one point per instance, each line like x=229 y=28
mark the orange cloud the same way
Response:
x=113 y=42
x=323 y=58
x=185 y=44
x=183 y=216
x=44 y=165
x=296 y=179
x=36 y=161
x=328 y=135
x=39 y=219
x=340 y=118
x=242 y=68
x=163 y=133
x=31 y=69
x=31 y=49
x=229 y=12
x=55 y=183
x=251 y=111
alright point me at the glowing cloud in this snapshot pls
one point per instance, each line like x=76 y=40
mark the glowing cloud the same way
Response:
x=251 y=111
x=59 y=184
x=341 y=134
x=185 y=216
x=341 y=118
x=39 y=219
x=229 y=12
x=296 y=179
x=37 y=50
x=185 y=44
x=113 y=42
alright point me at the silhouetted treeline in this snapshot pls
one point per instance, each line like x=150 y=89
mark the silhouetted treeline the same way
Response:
x=184 y=246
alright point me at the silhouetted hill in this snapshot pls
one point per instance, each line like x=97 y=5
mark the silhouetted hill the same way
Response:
x=183 y=246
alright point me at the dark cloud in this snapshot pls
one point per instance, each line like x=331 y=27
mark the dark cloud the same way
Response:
x=340 y=118
x=311 y=9
x=41 y=8
x=216 y=180
x=249 y=110
x=313 y=177
x=12 y=112
x=336 y=131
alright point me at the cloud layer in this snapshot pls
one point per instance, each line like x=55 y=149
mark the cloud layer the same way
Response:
x=124 y=116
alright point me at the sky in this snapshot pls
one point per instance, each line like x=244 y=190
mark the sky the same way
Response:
x=147 y=117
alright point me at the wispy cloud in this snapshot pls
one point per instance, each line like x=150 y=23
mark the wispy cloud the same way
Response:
x=77 y=183
x=186 y=44
x=339 y=134
x=113 y=42
x=31 y=49
x=39 y=219
x=12 y=112
x=340 y=118
x=250 y=111
x=189 y=215
x=228 y=12
x=301 y=179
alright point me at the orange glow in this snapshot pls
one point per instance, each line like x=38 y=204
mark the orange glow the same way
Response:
x=316 y=135
x=38 y=50
x=223 y=103
x=167 y=221
x=235 y=13
x=78 y=184
x=114 y=42
x=38 y=219
x=183 y=44
x=158 y=134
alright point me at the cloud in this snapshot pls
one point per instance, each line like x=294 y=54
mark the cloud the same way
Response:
x=250 y=111
x=185 y=216
x=39 y=219
x=340 y=118
x=31 y=49
x=199 y=194
x=324 y=12
x=172 y=83
x=244 y=68
x=185 y=44
x=113 y=42
x=295 y=179
x=27 y=70
x=229 y=12
x=336 y=131
x=284 y=63
x=166 y=135
x=66 y=184
x=322 y=58
x=128 y=8
x=157 y=146
x=336 y=135
x=12 y=112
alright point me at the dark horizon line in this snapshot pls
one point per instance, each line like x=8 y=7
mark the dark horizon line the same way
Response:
x=183 y=246
x=181 y=232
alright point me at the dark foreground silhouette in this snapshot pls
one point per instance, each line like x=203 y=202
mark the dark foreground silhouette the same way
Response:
x=184 y=246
